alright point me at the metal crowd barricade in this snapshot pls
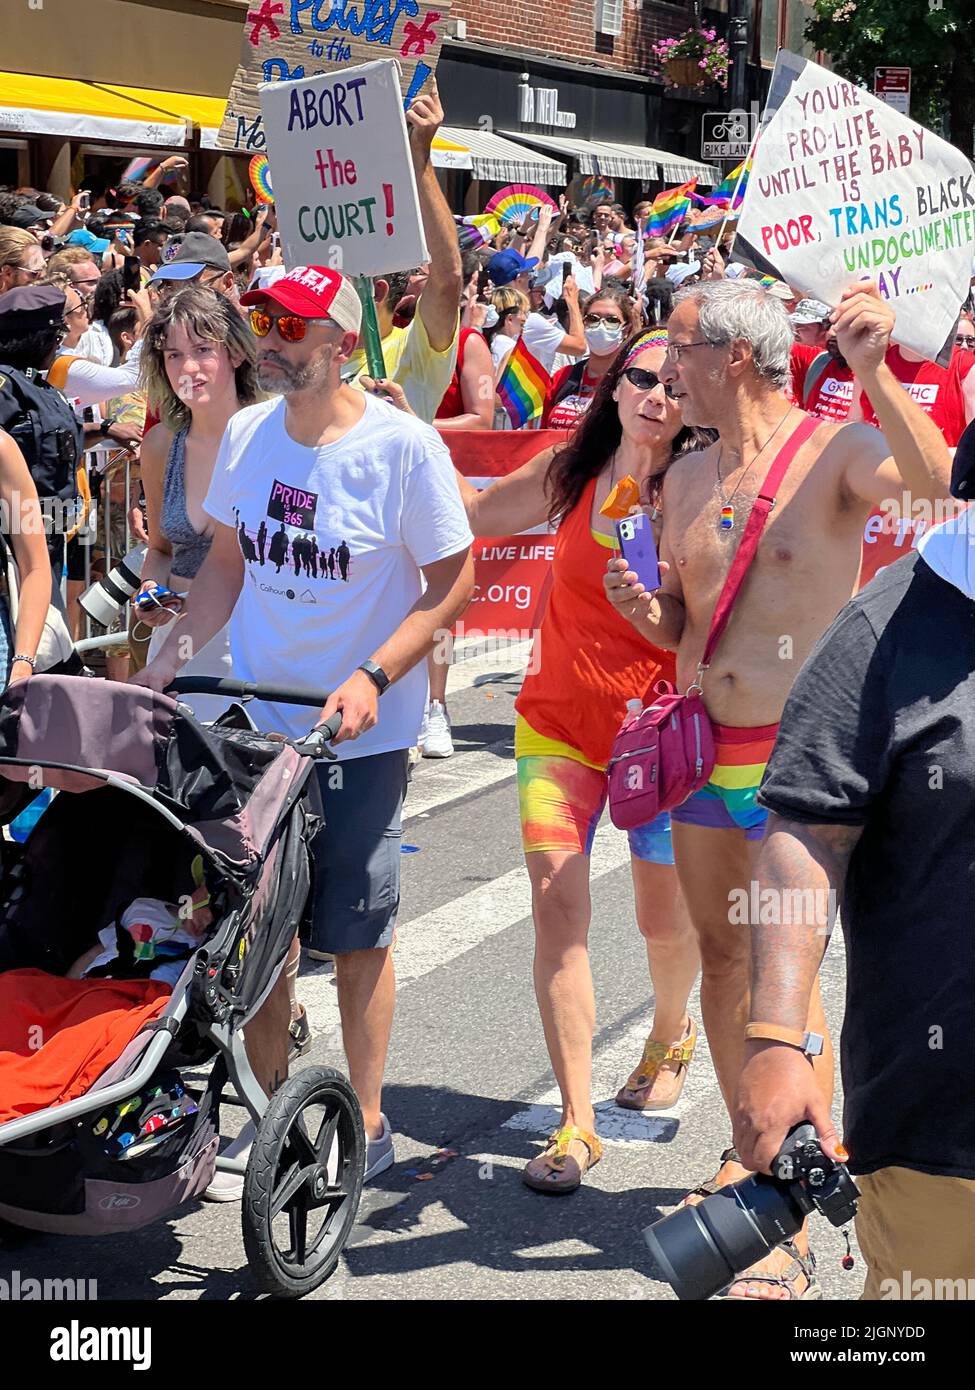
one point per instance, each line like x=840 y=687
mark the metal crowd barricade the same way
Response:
x=96 y=540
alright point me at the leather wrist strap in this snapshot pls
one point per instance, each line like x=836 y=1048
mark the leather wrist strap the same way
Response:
x=811 y=1044
x=773 y=1033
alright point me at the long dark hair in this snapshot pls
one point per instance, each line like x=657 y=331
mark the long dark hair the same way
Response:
x=597 y=437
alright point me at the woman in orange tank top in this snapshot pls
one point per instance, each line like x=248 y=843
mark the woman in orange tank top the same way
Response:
x=585 y=665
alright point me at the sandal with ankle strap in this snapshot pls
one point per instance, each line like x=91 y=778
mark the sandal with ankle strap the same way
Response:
x=635 y=1094
x=799 y=1266
x=562 y=1171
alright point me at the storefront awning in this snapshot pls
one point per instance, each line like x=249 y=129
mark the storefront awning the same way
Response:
x=86 y=111
x=622 y=161
x=497 y=160
x=202 y=112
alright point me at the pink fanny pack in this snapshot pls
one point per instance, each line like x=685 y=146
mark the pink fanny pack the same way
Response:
x=665 y=753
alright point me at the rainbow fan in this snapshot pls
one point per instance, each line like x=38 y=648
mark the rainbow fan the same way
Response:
x=260 y=177
x=512 y=204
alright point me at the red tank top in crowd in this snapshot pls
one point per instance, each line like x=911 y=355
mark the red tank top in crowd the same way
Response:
x=587 y=660
x=452 y=404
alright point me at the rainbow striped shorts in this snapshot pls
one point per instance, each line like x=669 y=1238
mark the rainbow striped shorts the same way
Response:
x=727 y=800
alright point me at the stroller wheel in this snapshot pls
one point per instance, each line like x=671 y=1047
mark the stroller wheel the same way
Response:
x=303 y=1182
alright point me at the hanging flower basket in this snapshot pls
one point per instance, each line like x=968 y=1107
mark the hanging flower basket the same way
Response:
x=695 y=58
x=684 y=72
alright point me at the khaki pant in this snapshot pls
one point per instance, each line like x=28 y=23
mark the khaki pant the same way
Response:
x=917 y=1235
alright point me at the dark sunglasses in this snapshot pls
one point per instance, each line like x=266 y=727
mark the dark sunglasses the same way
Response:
x=291 y=327
x=641 y=378
x=963 y=341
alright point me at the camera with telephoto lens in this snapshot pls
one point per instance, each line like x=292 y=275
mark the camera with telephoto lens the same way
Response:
x=105 y=597
x=699 y=1249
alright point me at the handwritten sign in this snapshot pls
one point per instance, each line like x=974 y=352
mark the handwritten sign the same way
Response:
x=344 y=185
x=844 y=188
x=285 y=40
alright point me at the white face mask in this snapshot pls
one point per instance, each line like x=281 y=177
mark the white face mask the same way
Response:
x=604 y=339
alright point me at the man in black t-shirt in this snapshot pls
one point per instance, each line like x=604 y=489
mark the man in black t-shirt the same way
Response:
x=871 y=786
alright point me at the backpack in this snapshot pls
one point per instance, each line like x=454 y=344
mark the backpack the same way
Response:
x=50 y=436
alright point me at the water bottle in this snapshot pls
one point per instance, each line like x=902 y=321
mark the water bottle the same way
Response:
x=23 y=824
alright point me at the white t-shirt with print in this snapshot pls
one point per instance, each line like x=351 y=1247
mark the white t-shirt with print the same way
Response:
x=333 y=539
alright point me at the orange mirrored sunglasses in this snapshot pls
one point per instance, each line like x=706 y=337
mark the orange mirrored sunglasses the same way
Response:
x=291 y=327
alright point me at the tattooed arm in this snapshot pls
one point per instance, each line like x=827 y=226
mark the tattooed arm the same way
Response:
x=777 y=1088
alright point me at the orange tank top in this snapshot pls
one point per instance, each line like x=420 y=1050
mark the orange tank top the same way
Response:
x=587 y=660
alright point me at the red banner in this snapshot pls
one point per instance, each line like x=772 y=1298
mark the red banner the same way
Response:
x=511 y=572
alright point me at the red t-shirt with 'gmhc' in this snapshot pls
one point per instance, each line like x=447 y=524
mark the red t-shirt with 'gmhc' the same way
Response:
x=937 y=390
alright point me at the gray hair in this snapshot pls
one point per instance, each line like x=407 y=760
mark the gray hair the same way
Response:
x=732 y=309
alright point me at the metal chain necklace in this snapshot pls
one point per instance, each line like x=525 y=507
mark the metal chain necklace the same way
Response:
x=726 y=516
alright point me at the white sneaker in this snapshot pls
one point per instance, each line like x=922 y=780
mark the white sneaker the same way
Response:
x=379 y=1153
x=229 y=1187
x=436 y=742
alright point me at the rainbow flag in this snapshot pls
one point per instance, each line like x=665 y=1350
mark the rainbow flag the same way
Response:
x=725 y=191
x=522 y=387
x=669 y=207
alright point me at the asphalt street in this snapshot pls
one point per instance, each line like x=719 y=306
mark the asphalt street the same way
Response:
x=468 y=1072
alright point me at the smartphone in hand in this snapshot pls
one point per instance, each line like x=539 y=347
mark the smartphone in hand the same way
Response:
x=131 y=274
x=635 y=537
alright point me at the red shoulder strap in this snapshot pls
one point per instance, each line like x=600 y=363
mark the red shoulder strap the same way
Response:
x=754 y=526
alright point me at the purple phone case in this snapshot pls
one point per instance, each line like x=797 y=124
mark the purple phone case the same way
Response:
x=634 y=535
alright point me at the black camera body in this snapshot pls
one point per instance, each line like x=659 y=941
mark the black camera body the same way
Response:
x=699 y=1249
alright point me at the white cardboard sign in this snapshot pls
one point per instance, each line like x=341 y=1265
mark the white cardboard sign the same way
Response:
x=344 y=186
x=844 y=188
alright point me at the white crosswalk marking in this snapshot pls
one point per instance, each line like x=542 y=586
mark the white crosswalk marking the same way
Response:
x=438 y=782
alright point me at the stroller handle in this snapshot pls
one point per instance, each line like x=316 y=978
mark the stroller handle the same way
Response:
x=219 y=685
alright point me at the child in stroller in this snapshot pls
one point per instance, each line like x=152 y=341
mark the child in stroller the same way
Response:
x=217 y=820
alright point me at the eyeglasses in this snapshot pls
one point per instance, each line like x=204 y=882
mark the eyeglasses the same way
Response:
x=291 y=327
x=964 y=341
x=674 y=350
x=31 y=274
x=641 y=378
x=81 y=308
x=594 y=320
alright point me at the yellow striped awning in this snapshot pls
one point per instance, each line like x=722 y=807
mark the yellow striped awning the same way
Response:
x=86 y=111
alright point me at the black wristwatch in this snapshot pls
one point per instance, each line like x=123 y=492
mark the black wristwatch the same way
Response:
x=105 y=426
x=376 y=674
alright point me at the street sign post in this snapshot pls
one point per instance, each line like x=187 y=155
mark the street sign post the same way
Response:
x=893 y=86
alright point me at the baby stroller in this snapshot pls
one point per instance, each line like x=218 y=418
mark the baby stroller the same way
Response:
x=152 y=804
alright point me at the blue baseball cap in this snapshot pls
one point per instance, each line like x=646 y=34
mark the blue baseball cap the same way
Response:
x=97 y=245
x=505 y=266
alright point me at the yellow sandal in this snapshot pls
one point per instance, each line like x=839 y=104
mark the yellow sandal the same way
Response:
x=563 y=1173
x=635 y=1094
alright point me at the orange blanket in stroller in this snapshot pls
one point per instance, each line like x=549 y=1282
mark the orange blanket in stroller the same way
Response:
x=57 y=1036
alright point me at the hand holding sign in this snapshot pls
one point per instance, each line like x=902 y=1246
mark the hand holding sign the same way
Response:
x=863 y=324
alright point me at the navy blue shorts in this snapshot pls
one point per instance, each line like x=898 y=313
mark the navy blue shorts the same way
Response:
x=357 y=852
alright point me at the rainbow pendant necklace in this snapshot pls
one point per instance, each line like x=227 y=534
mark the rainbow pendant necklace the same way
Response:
x=726 y=516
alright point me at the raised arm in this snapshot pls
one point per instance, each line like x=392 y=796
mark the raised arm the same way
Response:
x=910 y=455
x=439 y=305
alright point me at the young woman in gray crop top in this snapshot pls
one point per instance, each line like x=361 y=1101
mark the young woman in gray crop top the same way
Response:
x=198 y=367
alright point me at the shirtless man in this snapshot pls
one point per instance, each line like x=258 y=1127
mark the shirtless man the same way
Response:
x=727 y=364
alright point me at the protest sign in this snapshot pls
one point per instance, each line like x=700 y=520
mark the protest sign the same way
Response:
x=844 y=188
x=344 y=186
x=284 y=40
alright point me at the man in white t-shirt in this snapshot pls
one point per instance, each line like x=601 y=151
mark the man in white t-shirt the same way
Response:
x=366 y=556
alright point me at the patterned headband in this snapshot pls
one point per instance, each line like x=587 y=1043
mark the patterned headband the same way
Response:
x=654 y=337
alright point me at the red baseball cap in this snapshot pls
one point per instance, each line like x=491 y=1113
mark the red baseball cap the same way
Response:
x=314 y=292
